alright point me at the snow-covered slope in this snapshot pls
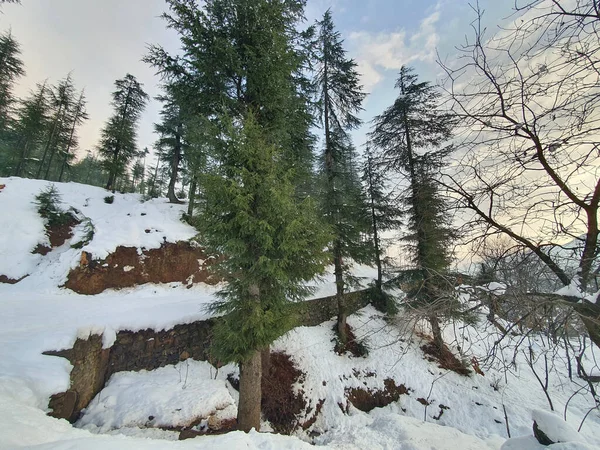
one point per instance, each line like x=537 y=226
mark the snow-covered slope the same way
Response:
x=36 y=315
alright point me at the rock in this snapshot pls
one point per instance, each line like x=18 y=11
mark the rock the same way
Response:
x=63 y=405
x=188 y=434
x=541 y=436
x=548 y=428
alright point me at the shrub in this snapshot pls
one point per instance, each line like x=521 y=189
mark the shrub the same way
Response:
x=109 y=199
x=48 y=206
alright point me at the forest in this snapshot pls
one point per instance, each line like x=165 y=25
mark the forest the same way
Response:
x=498 y=160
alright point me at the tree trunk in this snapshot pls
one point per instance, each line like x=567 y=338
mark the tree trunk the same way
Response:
x=250 y=393
x=22 y=158
x=175 y=166
x=191 y=197
x=341 y=303
x=438 y=340
x=49 y=142
x=379 y=281
x=266 y=360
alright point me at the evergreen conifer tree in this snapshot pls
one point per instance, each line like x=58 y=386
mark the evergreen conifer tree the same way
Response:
x=171 y=142
x=383 y=216
x=238 y=76
x=409 y=136
x=61 y=99
x=340 y=99
x=89 y=170
x=27 y=134
x=11 y=68
x=77 y=116
x=273 y=245
x=118 y=137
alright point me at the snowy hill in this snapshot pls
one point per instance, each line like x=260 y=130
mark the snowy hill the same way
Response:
x=434 y=408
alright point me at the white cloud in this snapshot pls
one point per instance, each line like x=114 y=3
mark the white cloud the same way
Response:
x=390 y=51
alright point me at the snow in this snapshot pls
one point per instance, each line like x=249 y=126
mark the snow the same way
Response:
x=475 y=402
x=36 y=315
x=169 y=396
x=554 y=427
x=530 y=443
x=385 y=430
x=127 y=221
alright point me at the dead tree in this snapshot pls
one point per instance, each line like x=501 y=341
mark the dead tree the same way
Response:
x=527 y=99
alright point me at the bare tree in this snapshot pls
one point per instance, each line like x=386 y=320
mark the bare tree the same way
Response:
x=527 y=99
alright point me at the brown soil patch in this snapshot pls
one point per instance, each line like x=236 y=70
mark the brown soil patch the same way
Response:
x=368 y=399
x=225 y=426
x=172 y=262
x=353 y=346
x=445 y=359
x=58 y=235
x=5 y=279
x=280 y=405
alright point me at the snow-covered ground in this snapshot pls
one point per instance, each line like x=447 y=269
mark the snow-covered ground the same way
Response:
x=37 y=315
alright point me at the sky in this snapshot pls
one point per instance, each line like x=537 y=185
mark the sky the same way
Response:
x=101 y=41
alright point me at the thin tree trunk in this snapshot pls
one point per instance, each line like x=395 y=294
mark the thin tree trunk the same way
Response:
x=330 y=170
x=250 y=393
x=49 y=142
x=436 y=330
x=175 y=166
x=112 y=175
x=379 y=281
x=21 y=163
x=70 y=142
x=191 y=197
x=341 y=303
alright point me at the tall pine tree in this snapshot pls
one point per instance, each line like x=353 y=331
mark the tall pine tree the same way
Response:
x=11 y=68
x=171 y=141
x=118 y=141
x=28 y=132
x=238 y=73
x=77 y=116
x=383 y=216
x=61 y=99
x=409 y=136
x=340 y=99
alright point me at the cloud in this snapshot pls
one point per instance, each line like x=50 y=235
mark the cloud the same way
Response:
x=390 y=51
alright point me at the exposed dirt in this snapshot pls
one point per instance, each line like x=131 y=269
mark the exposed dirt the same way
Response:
x=280 y=404
x=58 y=235
x=445 y=359
x=172 y=262
x=5 y=279
x=224 y=426
x=368 y=399
x=353 y=346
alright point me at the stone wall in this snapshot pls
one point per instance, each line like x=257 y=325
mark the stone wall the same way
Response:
x=149 y=349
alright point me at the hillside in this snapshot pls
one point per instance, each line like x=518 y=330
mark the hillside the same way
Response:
x=395 y=397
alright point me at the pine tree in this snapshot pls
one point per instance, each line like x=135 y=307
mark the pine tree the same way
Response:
x=89 y=170
x=273 y=245
x=27 y=134
x=11 y=68
x=77 y=116
x=384 y=216
x=171 y=142
x=62 y=97
x=409 y=136
x=340 y=99
x=238 y=73
x=118 y=137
